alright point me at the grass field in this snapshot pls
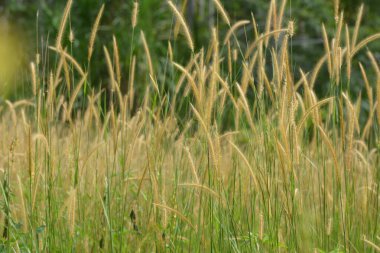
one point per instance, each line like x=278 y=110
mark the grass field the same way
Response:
x=239 y=154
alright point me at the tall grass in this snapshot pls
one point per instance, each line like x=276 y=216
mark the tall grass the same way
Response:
x=240 y=155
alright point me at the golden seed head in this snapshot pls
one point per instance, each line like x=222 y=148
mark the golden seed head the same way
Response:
x=235 y=55
x=71 y=36
x=38 y=59
x=134 y=14
x=291 y=28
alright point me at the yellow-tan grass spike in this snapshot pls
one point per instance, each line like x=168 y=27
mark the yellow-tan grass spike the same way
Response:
x=367 y=86
x=186 y=29
x=116 y=59
x=310 y=110
x=135 y=13
x=209 y=140
x=147 y=53
x=94 y=31
x=74 y=96
x=281 y=14
x=222 y=11
x=373 y=60
x=326 y=44
x=246 y=107
x=336 y=10
x=331 y=148
x=191 y=81
x=34 y=78
x=131 y=83
x=234 y=28
x=192 y=165
x=254 y=25
x=348 y=53
x=251 y=47
x=253 y=175
x=268 y=22
x=183 y=217
x=378 y=97
x=373 y=245
x=177 y=25
x=62 y=26
x=114 y=84
x=70 y=58
x=364 y=42
x=357 y=26
x=202 y=187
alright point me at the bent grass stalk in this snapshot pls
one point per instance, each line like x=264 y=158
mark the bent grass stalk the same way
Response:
x=276 y=167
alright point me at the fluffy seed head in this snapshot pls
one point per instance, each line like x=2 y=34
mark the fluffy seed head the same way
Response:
x=135 y=14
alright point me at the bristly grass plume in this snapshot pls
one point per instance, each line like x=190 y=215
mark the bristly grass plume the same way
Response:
x=231 y=150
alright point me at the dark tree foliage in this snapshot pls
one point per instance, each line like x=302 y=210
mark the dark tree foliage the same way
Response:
x=156 y=21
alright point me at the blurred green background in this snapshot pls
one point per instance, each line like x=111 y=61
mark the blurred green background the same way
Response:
x=34 y=23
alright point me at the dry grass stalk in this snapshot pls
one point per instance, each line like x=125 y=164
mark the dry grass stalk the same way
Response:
x=254 y=25
x=331 y=148
x=131 y=91
x=186 y=29
x=367 y=86
x=327 y=48
x=135 y=13
x=192 y=165
x=316 y=70
x=281 y=14
x=222 y=11
x=202 y=187
x=232 y=30
x=310 y=110
x=253 y=175
x=74 y=96
x=147 y=54
x=261 y=38
x=268 y=22
x=378 y=97
x=70 y=58
x=177 y=25
x=208 y=136
x=336 y=10
x=180 y=215
x=364 y=42
x=373 y=61
x=373 y=245
x=170 y=52
x=94 y=31
x=274 y=15
x=227 y=89
x=116 y=57
x=191 y=82
x=357 y=26
x=12 y=111
x=348 y=53
x=34 y=78
x=246 y=107
x=229 y=58
x=62 y=26
x=114 y=84
x=50 y=96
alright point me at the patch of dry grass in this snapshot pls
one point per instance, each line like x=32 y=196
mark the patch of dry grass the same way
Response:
x=294 y=172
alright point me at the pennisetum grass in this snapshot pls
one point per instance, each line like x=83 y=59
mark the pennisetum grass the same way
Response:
x=182 y=21
x=94 y=31
x=62 y=26
x=239 y=153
